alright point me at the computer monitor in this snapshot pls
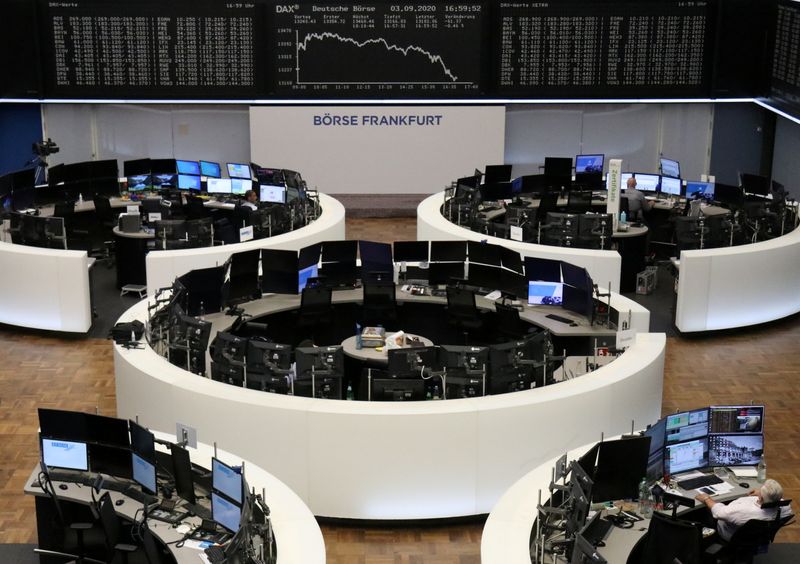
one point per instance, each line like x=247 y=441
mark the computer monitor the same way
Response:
x=545 y=293
x=655 y=457
x=272 y=194
x=670 y=167
x=188 y=182
x=645 y=182
x=218 y=186
x=511 y=260
x=239 y=170
x=163 y=179
x=163 y=166
x=143 y=442
x=497 y=191
x=542 y=269
x=517 y=365
x=621 y=465
x=682 y=457
x=182 y=472
x=203 y=290
x=484 y=277
x=397 y=389
x=62 y=424
x=304 y=274
x=144 y=473
x=279 y=271
x=107 y=431
x=376 y=261
x=448 y=251
x=239 y=186
x=411 y=251
x=558 y=168
x=576 y=276
x=589 y=164
x=700 y=190
x=671 y=186
x=136 y=167
x=484 y=253
x=340 y=251
x=325 y=365
x=71 y=455
x=227 y=480
x=210 y=169
x=754 y=184
x=744 y=419
x=687 y=425
x=188 y=167
x=225 y=513
x=727 y=194
x=445 y=272
x=583 y=552
x=110 y=460
x=411 y=362
x=735 y=450
x=139 y=183
x=467 y=370
x=497 y=173
x=269 y=358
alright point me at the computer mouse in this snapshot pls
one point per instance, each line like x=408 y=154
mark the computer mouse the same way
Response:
x=62 y=486
x=119 y=502
x=744 y=485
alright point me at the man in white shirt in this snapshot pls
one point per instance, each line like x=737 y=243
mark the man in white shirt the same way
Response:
x=738 y=512
x=250 y=200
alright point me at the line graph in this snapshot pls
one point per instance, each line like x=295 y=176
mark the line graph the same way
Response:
x=378 y=48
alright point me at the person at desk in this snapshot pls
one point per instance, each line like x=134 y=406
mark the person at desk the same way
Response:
x=251 y=200
x=738 y=512
x=637 y=204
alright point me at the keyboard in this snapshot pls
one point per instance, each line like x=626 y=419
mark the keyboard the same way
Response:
x=199 y=510
x=566 y=320
x=699 y=482
x=215 y=554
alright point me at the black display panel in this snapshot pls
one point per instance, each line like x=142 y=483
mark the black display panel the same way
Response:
x=585 y=49
x=152 y=49
x=377 y=49
x=19 y=57
x=785 y=76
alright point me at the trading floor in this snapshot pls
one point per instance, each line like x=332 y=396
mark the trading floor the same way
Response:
x=38 y=370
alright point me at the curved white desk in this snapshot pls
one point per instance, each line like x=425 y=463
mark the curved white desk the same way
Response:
x=414 y=460
x=739 y=286
x=604 y=266
x=164 y=266
x=45 y=288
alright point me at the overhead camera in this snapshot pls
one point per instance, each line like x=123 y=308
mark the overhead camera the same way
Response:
x=44 y=148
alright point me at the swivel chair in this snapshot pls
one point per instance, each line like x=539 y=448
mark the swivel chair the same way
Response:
x=462 y=311
x=112 y=527
x=380 y=304
x=194 y=208
x=108 y=220
x=751 y=539
x=689 y=234
x=508 y=323
x=547 y=204
x=315 y=308
x=579 y=201
x=669 y=539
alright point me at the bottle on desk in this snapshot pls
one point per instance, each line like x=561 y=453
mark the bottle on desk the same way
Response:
x=359 y=342
x=645 y=500
x=762 y=470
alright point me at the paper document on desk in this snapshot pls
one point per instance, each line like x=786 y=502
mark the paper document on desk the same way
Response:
x=722 y=488
x=744 y=471
x=494 y=295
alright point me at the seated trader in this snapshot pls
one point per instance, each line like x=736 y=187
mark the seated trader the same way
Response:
x=251 y=200
x=637 y=204
x=738 y=512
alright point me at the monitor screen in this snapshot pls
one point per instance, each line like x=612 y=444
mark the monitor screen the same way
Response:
x=558 y=167
x=511 y=260
x=589 y=164
x=139 y=182
x=239 y=186
x=497 y=173
x=670 y=167
x=687 y=425
x=411 y=251
x=218 y=185
x=726 y=419
x=700 y=190
x=683 y=457
x=212 y=170
x=188 y=182
x=755 y=184
x=107 y=431
x=645 y=182
x=144 y=473
x=727 y=194
x=272 y=194
x=226 y=480
x=671 y=186
x=239 y=170
x=339 y=251
x=136 y=167
x=182 y=472
x=543 y=269
x=142 y=441
x=484 y=253
x=163 y=166
x=225 y=513
x=62 y=424
x=188 y=167
x=545 y=293
x=448 y=251
x=71 y=455
x=163 y=179
x=735 y=450
x=304 y=274
x=621 y=464
x=655 y=458
x=309 y=256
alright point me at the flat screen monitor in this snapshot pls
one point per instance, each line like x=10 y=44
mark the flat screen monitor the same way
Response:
x=671 y=186
x=445 y=272
x=397 y=389
x=107 y=431
x=144 y=473
x=727 y=194
x=576 y=276
x=239 y=186
x=58 y=453
x=209 y=169
x=136 y=167
x=645 y=182
x=309 y=256
x=511 y=260
x=558 y=168
x=411 y=251
x=589 y=164
x=755 y=184
x=655 y=459
x=621 y=465
x=163 y=166
x=543 y=269
x=687 y=425
x=483 y=276
x=670 y=167
x=110 y=460
x=578 y=300
x=160 y=179
x=545 y=293
x=304 y=274
x=339 y=251
x=728 y=419
x=700 y=190
x=188 y=182
x=683 y=457
x=225 y=513
x=218 y=186
x=408 y=363
x=484 y=253
x=375 y=253
x=188 y=167
x=239 y=170
x=279 y=271
x=583 y=552
x=182 y=472
x=226 y=480
x=448 y=251
x=735 y=450
x=139 y=182
x=143 y=442
x=62 y=424
x=272 y=194
x=497 y=173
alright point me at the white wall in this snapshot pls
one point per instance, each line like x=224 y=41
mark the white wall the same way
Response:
x=377 y=158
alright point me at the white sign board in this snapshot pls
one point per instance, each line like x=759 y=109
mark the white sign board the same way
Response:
x=613 y=187
x=246 y=234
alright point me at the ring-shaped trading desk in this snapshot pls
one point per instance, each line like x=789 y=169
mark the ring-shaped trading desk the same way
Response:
x=605 y=267
x=404 y=460
x=298 y=537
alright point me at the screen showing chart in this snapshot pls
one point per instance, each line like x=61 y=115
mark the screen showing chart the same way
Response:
x=363 y=49
x=670 y=186
x=736 y=419
x=687 y=425
x=219 y=186
x=686 y=456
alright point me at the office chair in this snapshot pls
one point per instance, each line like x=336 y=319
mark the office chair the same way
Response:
x=579 y=201
x=668 y=539
x=200 y=232
x=462 y=311
x=315 y=308
x=112 y=527
x=689 y=235
x=225 y=233
x=380 y=304
x=154 y=205
x=751 y=539
x=548 y=203
x=108 y=221
x=151 y=548
x=508 y=324
x=194 y=208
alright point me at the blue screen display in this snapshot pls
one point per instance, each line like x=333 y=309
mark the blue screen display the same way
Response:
x=226 y=480
x=225 y=513
x=144 y=473
x=239 y=170
x=589 y=164
x=303 y=276
x=700 y=190
x=545 y=293
x=208 y=168
x=188 y=167
x=187 y=182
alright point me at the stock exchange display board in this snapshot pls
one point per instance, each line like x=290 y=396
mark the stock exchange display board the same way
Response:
x=785 y=86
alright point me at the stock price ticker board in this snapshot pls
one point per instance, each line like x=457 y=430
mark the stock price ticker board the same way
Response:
x=377 y=49
x=785 y=87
